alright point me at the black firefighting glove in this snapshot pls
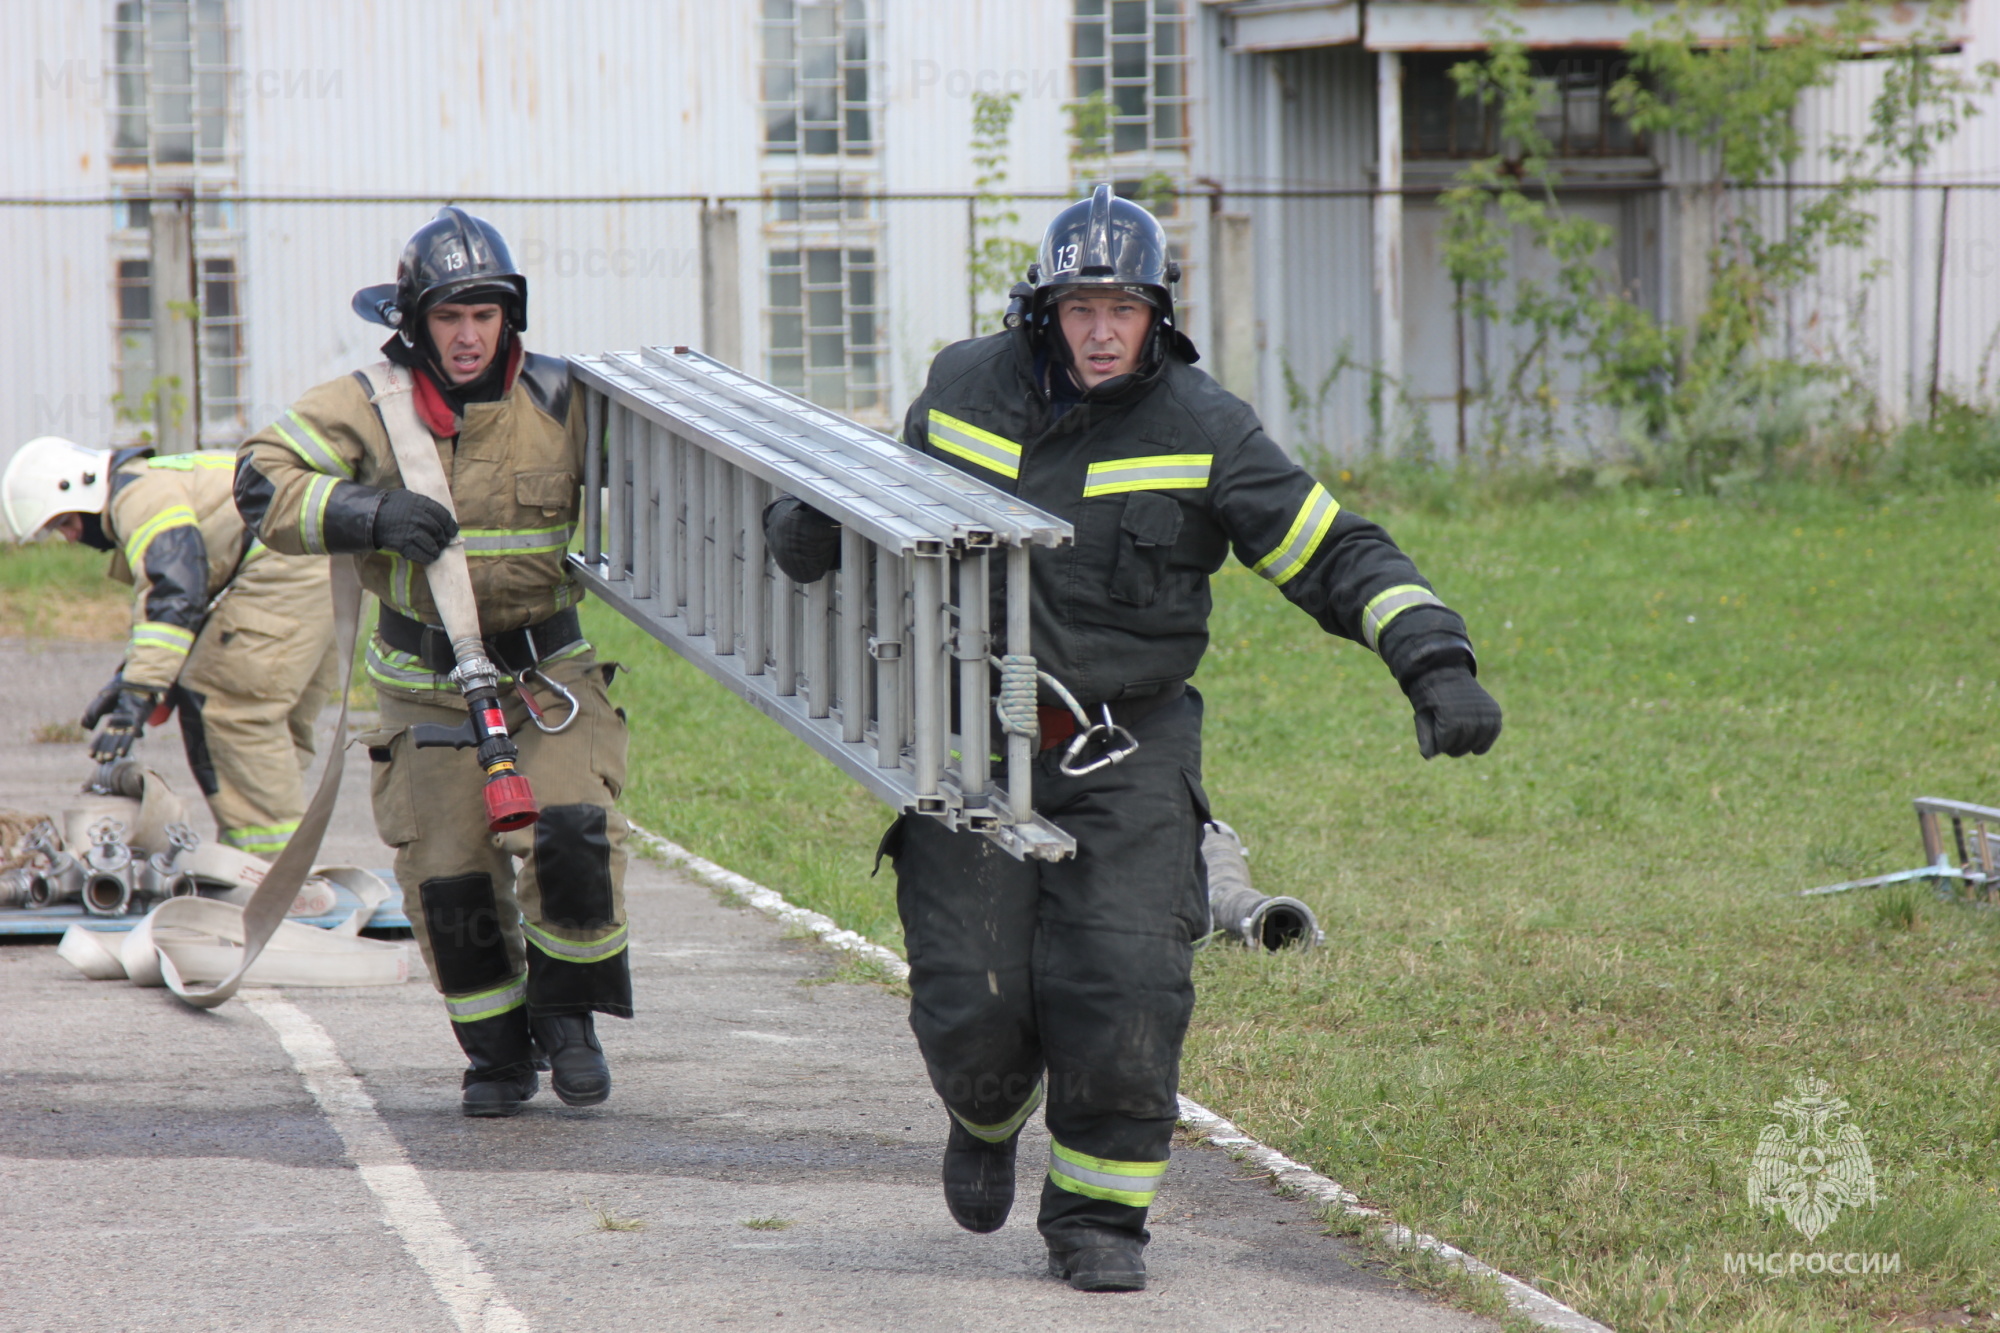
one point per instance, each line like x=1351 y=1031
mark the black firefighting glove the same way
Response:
x=804 y=542
x=103 y=703
x=1455 y=714
x=125 y=723
x=414 y=526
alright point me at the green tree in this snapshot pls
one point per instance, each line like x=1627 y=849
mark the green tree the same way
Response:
x=1685 y=390
x=997 y=260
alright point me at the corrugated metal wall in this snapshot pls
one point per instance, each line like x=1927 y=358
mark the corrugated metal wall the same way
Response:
x=465 y=98
x=55 y=344
x=1304 y=120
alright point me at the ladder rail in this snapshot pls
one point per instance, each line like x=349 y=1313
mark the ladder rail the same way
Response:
x=882 y=666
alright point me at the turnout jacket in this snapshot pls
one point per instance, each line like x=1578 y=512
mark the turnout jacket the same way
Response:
x=1163 y=474
x=179 y=542
x=310 y=483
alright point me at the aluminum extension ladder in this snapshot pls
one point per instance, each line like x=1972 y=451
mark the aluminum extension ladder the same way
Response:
x=869 y=665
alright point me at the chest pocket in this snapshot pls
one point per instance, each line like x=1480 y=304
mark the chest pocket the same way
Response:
x=1147 y=530
x=550 y=492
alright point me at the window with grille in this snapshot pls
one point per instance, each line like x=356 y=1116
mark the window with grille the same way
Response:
x=1574 y=112
x=219 y=350
x=818 y=90
x=170 y=77
x=825 y=327
x=135 y=335
x=1135 y=54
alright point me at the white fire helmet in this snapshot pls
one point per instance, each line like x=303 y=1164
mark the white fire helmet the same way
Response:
x=49 y=476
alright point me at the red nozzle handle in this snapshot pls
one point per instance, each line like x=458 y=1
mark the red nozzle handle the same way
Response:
x=510 y=803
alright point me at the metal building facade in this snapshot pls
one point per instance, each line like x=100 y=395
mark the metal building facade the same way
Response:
x=1293 y=110
x=619 y=145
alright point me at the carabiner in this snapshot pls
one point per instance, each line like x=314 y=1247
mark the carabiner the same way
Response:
x=534 y=709
x=1107 y=731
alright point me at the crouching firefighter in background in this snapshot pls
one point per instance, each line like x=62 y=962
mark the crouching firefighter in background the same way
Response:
x=1072 y=980
x=238 y=637
x=524 y=957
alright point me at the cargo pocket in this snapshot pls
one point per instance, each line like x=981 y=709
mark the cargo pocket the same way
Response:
x=1146 y=533
x=249 y=652
x=391 y=785
x=551 y=492
x=609 y=738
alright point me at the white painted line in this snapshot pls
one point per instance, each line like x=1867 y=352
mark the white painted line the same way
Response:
x=1289 y=1176
x=771 y=903
x=456 y=1275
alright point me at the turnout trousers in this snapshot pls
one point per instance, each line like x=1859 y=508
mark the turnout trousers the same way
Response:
x=262 y=668
x=549 y=936
x=1068 y=979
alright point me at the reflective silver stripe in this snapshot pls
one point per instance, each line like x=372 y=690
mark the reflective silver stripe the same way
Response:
x=1133 y=1183
x=1308 y=530
x=1385 y=606
x=570 y=951
x=307 y=443
x=1163 y=472
x=519 y=541
x=487 y=1003
x=401 y=572
x=969 y=442
x=312 y=514
x=1007 y=1128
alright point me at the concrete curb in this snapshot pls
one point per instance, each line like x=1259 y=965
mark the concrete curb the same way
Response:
x=1288 y=1176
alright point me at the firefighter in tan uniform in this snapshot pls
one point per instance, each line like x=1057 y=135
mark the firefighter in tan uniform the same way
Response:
x=233 y=634
x=525 y=953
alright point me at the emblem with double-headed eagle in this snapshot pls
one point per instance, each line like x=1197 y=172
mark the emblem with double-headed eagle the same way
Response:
x=1815 y=1167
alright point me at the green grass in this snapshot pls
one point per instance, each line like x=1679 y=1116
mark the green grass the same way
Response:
x=53 y=590
x=1564 y=983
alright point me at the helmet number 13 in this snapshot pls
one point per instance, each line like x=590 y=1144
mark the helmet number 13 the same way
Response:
x=1065 y=258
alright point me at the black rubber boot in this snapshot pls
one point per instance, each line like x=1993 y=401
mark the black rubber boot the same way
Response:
x=502 y=1075
x=1100 y=1261
x=978 y=1179
x=576 y=1062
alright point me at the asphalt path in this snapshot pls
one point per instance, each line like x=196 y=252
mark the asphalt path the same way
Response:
x=295 y=1159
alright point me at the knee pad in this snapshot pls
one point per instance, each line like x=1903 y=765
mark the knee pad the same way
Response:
x=573 y=867
x=463 y=921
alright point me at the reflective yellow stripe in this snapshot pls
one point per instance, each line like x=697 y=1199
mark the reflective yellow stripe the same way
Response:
x=260 y=838
x=312 y=514
x=516 y=541
x=573 y=951
x=212 y=460
x=1133 y=1183
x=1386 y=605
x=487 y=1003
x=308 y=444
x=1308 y=530
x=159 y=634
x=1162 y=472
x=405 y=671
x=1007 y=1128
x=969 y=442
x=173 y=516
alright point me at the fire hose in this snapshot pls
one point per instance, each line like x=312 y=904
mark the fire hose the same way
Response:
x=510 y=801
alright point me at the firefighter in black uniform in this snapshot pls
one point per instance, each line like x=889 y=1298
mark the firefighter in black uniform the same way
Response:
x=1072 y=980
